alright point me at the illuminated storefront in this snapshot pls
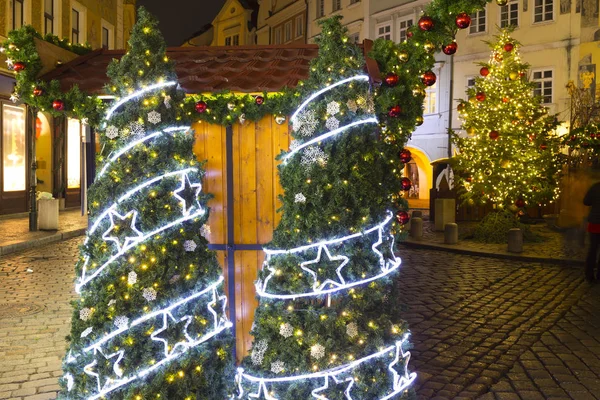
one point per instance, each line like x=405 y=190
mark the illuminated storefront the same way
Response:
x=13 y=145
x=75 y=131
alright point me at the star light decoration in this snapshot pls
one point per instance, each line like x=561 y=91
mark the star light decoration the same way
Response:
x=189 y=245
x=258 y=352
x=85 y=314
x=317 y=351
x=300 y=198
x=277 y=367
x=167 y=101
x=333 y=108
x=149 y=294
x=314 y=155
x=122 y=230
x=137 y=129
x=262 y=389
x=86 y=332
x=317 y=285
x=91 y=369
x=154 y=117
x=188 y=194
x=168 y=322
x=112 y=132
x=286 y=330
x=305 y=123
x=342 y=385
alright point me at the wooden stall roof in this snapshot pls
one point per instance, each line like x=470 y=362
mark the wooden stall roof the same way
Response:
x=209 y=69
x=204 y=69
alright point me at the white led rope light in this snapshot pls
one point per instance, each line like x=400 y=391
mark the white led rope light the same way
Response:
x=399 y=382
x=124 y=100
x=139 y=141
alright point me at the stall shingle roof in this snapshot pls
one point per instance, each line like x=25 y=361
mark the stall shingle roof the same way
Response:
x=204 y=69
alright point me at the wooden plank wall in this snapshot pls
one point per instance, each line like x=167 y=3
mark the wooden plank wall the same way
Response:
x=256 y=188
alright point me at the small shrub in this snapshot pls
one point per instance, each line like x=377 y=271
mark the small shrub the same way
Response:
x=495 y=226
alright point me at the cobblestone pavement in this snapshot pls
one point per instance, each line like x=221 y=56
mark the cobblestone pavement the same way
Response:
x=14 y=230
x=482 y=328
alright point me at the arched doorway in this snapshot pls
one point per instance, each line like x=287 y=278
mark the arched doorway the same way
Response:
x=420 y=172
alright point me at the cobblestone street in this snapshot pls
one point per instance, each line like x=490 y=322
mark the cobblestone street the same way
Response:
x=482 y=328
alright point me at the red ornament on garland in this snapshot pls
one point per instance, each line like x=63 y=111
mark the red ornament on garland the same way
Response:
x=392 y=79
x=409 y=34
x=426 y=23
x=505 y=99
x=463 y=20
x=520 y=203
x=429 y=78
x=406 y=184
x=484 y=71
x=508 y=47
x=405 y=156
x=58 y=105
x=480 y=96
x=498 y=57
x=38 y=91
x=395 y=111
x=259 y=100
x=450 y=48
x=201 y=106
x=19 y=66
x=543 y=146
x=593 y=135
x=494 y=135
x=402 y=217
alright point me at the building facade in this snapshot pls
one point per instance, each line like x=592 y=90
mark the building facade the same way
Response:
x=355 y=15
x=282 y=22
x=59 y=149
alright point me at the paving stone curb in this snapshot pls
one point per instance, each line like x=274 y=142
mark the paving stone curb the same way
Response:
x=30 y=244
x=483 y=253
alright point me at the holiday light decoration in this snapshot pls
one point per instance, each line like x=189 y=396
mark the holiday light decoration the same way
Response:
x=151 y=307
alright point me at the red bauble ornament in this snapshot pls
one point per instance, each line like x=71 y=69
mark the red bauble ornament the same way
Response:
x=406 y=184
x=429 y=78
x=38 y=91
x=19 y=66
x=402 y=217
x=461 y=107
x=405 y=156
x=259 y=100
x=409 y=34
x=480 y=96
x=593 y=135
x=484 y=71
x=463 y=20
x=522 y=74
x=395 y=111
x=201 y=106
x=469 y=179
x=498 y=57
x=509 y=47
x=58 y=105
x=426 y=23
x=392 y=79
x=543 y=146
x=505 y=99
x=450 y=48
x=494 y=135
x=520 y=203
x=573 y=138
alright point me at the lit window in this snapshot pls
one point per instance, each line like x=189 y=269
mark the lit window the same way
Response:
x=543 y=10
x=75 y=22
x=48 y=16
x=13 y=148
x=404 y=25
x=384 y=32
x=430 y=102
x=18 y=8
x=477 y=22
x=337 y=5
x=288 y=31
x=543 y=85
x=320 y=8
x=74 y=133
x=299 y=26
x=509 y=14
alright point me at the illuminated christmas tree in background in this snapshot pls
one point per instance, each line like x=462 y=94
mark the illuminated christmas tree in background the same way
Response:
x=510 y=156
x=151 y=319
x=326 y=325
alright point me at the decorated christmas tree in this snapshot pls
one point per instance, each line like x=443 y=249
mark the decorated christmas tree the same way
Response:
x=327 y=326
x=509 y=156
x=151 y=319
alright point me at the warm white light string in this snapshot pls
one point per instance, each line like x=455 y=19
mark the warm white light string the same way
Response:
x=400 y=382
x=139 y=93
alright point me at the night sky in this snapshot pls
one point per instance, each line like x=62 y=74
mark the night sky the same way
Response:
x=179 y=19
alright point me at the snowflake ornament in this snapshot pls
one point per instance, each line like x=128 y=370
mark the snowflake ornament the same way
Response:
x=87 y=332
x=286 y=330
x=149 y=294
x=258 y=352
x=333 y=108
x=205 y=231
x=167 y=101
x=352 y=329
x=137 y=129
x=154 y=117
x=294 y=144
x=352 y=106
x=112 y=132
x=317 y=351
x=277 y=367
x=314 y=155
x=332 y=123
x=189 y=245
x=132 y=278
x=85 y=314
x=305 y=123
x=121 y=322
x=300 y=198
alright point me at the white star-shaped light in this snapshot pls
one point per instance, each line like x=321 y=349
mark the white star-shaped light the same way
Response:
x=187 y=185
x=154 y=117
x=189 y=245
x=88 y=369
x=400 y=381
x=319 y=287
x=166 y=317
x=333 y=108
x=9 y=63
x=86 y=332
x=385 y=264
x=337 y=382
x=262 y=389
x=112 y=132
x=128 y=239
x=218 y=321
x=70 y=381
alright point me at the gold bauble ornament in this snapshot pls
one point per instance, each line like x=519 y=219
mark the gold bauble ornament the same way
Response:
x=470 y=131
x=419 y=121
x=521 y=114
x=429 y=47
x=513 y=76
x=502 y=2
x=403 y=57
x=418 y=92
x=505 y=164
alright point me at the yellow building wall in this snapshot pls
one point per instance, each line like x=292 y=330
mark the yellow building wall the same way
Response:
x=231 y=20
